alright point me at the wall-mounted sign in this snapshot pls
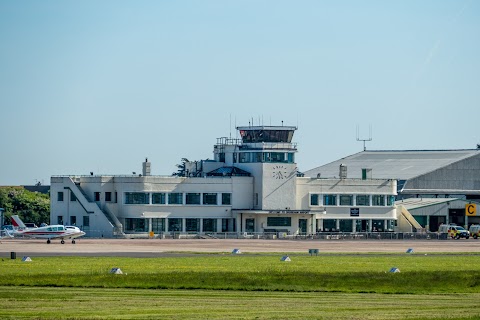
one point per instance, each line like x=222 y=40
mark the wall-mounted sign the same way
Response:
x=471 y=209
x=354 y=212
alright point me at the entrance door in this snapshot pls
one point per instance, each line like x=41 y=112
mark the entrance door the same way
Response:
x=302 y=225
x=457 y=216
x=250 y=225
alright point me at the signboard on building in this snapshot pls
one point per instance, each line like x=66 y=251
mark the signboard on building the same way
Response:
x=354 y=212
x=471 y=209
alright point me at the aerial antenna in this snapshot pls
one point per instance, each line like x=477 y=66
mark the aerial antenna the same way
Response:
x=365 y=139
x=230 y=126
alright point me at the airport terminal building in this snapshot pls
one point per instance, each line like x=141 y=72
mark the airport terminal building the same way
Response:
x=251 y=186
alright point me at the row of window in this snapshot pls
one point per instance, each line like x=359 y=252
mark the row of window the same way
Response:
x=73 y=221
x=351 y=200
x=192 y=198
x=175 y=225
x=265 y=157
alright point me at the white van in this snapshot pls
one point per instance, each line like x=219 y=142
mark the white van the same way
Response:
x=444 y=228
x=475 y=230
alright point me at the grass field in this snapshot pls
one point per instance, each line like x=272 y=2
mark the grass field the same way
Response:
x=243 y=287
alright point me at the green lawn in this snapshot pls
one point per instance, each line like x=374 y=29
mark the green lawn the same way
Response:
x=243 y=286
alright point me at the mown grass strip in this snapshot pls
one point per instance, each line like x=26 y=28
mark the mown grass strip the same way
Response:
x=93 y=303
x=419 y=274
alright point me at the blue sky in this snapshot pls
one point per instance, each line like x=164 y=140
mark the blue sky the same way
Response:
x=100 y=85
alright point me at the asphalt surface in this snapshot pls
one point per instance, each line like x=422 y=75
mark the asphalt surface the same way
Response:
x=186 y=247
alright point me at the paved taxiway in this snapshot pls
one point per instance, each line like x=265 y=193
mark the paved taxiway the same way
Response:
x=167 y=247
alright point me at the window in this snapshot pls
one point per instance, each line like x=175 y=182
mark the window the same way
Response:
x=60 y=196
x=192 y=198
x=390 y=201
x=314 y=200
x=209 y=225
x=192 y=225
x=221 y=157
x=116 y=197
x=378 y=200
x=210 y=198
x=244 y=157
x=96 y=196
x=175 y=198
x=136 y=225
x=174 y=224
x=108 y=196
x=72 y=196
x=363 y=200
x=226 y=199
x=279 y=221
x=346 y=200
x=329 y=200
x=60 y=220
x=159 y=198
x=158 y=225
x=136 y=198
x=86 y=221
x=73 y=220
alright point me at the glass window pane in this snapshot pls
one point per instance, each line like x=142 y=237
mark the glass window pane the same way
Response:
x=363 y=200
x=158 y=198
x=279 y=221
x=175 y=198
x=378 y=200
x=210 y=198
x=346 y=200
x=329 y=200
x=192 y=198
x=226 y=198
x=175 y=224
x=136 y=198
x=314 y=199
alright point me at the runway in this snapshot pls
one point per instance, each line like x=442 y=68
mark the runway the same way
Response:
x=183 y=247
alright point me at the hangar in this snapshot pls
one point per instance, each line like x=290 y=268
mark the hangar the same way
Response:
x=435 y=186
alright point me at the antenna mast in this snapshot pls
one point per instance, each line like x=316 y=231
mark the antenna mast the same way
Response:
x=365 y=139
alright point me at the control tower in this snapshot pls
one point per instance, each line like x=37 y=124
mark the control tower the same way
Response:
x=268 y=154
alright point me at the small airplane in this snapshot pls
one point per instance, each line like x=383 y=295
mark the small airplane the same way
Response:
x=56 y=231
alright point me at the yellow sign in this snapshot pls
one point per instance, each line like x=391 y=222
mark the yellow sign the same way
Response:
x=471 y=209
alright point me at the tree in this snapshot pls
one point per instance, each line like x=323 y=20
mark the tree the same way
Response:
x=30 y=206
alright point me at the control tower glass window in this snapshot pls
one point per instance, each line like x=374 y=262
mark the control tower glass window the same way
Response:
x=262 y=135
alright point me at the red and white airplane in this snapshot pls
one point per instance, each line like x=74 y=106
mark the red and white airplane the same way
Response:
x=51 y=232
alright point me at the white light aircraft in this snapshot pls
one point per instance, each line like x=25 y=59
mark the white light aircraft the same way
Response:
x=51 y=232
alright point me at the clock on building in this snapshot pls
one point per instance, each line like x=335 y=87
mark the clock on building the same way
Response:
x=279 y=172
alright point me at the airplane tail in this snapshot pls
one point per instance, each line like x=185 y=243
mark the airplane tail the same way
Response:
x=17 y=222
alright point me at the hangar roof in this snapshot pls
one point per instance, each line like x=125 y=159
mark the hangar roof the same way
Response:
x=393 y=164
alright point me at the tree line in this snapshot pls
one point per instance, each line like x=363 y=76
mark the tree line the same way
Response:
x=30 y=206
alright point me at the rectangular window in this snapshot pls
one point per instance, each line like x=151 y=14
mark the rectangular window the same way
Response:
x=390 y=201
x=72 y=196
x=60 y=196
x=136 y=225
x=158 y=225
x=116 y=197
x=136 y=198
x=329 y=200
x=174 y=224
x=175 y=198
x=192 y=225
x=279 y=221
x=86 y=221
x=346 y=200
x=314 y=200
x=73 y=220
x=221 y=157
x=363 y=200
x=108 y=196
x=60 y=220
x=226 y=199
x=210 y=198
x=159 y=198
x=244 y=157
x=96 y=196
x=209 y=225
x=192 y=198
x=378 y=200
